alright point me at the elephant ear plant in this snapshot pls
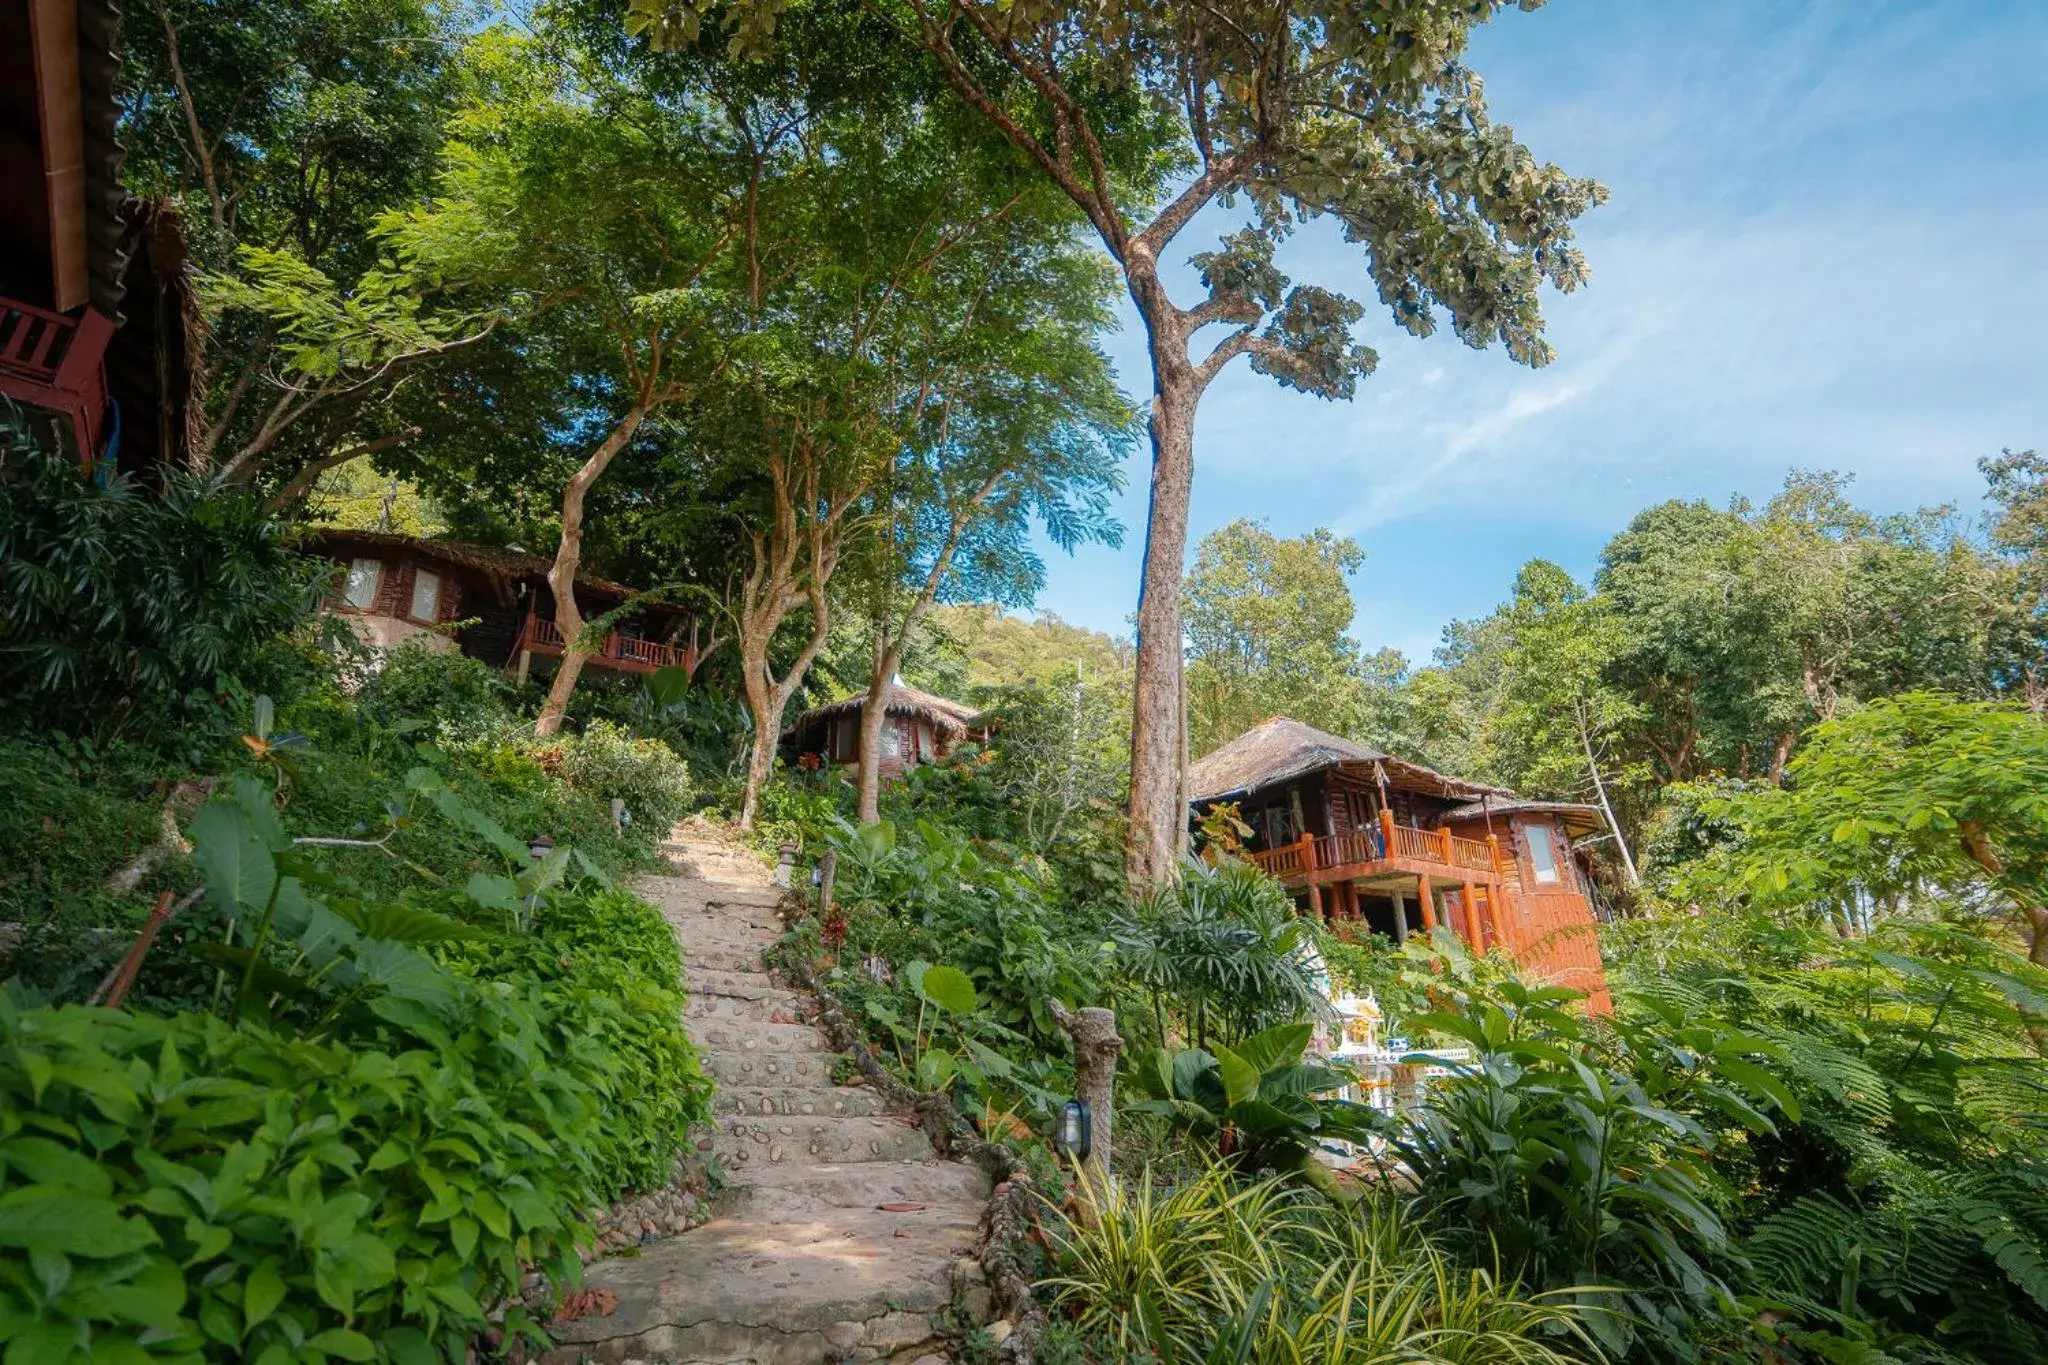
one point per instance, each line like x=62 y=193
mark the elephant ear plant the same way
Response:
x=1263 y=1104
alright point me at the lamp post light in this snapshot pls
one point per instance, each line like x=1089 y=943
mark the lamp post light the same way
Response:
x=785 y=864
x=540 y=846
x=1074 y=1136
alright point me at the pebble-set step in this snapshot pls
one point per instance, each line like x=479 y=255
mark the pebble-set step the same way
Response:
x=840 y=1235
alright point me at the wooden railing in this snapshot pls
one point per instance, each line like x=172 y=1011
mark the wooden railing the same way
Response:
x=544 y=636
x=1435 y=846
x=53 y=361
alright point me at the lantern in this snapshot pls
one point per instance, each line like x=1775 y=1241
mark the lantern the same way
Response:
x=1074 y=1135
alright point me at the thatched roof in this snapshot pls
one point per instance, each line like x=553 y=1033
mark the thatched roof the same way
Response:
x=497 y=562
x=947 y=717
x=1284 y=749
x=1576 y=816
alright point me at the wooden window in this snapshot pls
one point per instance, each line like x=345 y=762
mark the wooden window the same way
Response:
x=892 y=737
x=426 y=596
x=1542 y=856
x=363 y=578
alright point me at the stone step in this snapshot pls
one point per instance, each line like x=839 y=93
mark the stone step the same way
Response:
x=743 y=1036
x=719 y=957
x=850 y=1284
x=839 y=1101
x=758 y=1069
x=768 y=1009
x=788 y=1191
x=752 y=985
x=743 y=1144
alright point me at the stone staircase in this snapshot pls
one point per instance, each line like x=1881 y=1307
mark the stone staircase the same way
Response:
x=840 y=1235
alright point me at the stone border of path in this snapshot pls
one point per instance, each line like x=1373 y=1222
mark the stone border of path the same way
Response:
x=1011 y=1204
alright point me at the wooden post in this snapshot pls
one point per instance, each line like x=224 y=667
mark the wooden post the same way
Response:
x=1443 y=839
x=1308 y=868
x=828 y=872
x=1386 y=833
x=1096 y=1047
x=1428 y=907
x=1493 y=851
x=1474 y=934
x=1400 y=898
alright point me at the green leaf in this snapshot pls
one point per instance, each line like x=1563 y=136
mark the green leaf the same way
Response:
x=40 y=1219
x=949 y=988
x=49 y=1163
x=1240 y=1078
x=340 y=1341
x=261 y=1294
x=1281 y=1045
x=153 y=1297
x=1760 y=1081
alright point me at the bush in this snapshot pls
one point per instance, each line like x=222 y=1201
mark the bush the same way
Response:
x=1216 y=1270
x=183 y=1189
x=363 y=1159
x=118 y=602
x=606 y=762
x=450 y=699
x=1582 y=1154
x=608 y=967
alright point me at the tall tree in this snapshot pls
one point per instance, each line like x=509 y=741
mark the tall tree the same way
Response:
x=1143 y=113
x=631 y=227
x=1025 y=427
x=2017 y=484
x=279 y=133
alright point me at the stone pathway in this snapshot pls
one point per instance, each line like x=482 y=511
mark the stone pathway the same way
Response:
x=840 y=1235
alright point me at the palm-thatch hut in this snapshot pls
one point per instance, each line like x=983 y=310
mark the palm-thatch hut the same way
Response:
x=918 y=727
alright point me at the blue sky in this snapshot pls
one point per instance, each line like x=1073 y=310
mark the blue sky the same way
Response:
x=1827 y=247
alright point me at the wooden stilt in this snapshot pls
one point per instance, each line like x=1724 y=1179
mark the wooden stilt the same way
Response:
x=1473 y=934
x=1428 y=906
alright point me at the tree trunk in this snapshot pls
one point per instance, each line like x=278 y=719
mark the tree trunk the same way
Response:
x=1600 y=789
x=874 y=713
x=1096 y=1048
x=568 y=559
x=1781 y=755
x=1157 y=808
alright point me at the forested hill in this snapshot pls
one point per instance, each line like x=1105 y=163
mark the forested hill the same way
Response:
x=981 y=646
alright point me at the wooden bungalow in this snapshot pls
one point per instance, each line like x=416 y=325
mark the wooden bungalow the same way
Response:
x=918 y=728
x=398 y=588
x=1364 y=837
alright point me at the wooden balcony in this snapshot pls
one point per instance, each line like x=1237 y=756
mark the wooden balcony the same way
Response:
x=53 y=361
x=1320 y=859
x=622 y=652
x=1550 y=931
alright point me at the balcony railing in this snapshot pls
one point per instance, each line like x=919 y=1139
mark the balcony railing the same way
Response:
x=1433 y=847
x=623 y=652
x=53 y=361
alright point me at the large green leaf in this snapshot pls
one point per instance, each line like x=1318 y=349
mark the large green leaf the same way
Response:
x=949 y=988
x=1281 y=1045
x=1240 y=1078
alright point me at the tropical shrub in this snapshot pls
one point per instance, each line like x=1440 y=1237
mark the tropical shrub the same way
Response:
x=1223 y=953
x=182 y=1188
x=117 y=600
x=925 y=891
x=1266 y=1107
x=606 y=762
x=409 y=1102
x=450 y=699
x=1260 y=1273
x=1904 y=1208
x=1582 y=1154
x=607 y=966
